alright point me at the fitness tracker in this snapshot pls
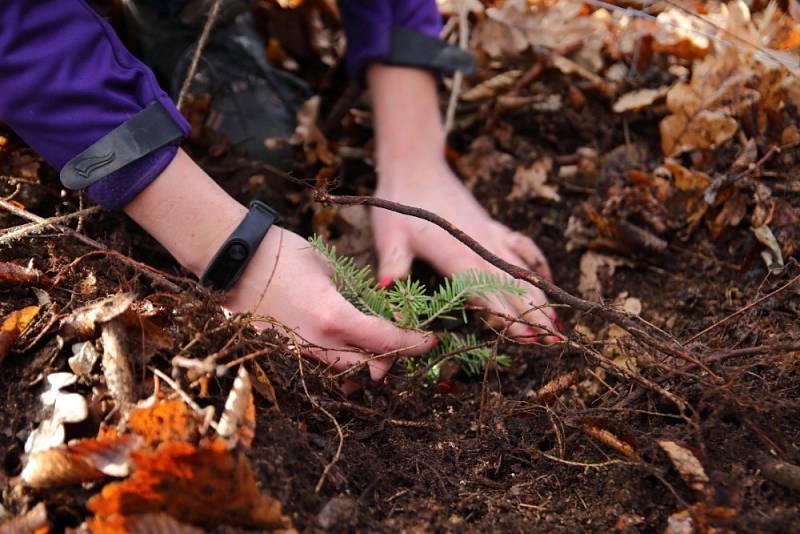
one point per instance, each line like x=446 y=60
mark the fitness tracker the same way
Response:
x=233 y=256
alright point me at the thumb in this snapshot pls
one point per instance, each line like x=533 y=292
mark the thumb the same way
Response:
x=394 y=259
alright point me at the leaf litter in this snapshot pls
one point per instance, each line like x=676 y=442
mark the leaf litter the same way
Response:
x=651 y=153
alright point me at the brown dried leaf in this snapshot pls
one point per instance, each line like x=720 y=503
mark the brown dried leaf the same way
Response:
x=308 y=134
x=32 y=521
x=14 y=324
x=530 y=182
x=688 y=466
x=491 y=87
x=82 y=323
x=731 y=214
x=116 y=364
x=639 y=99
x=746 y=157
x=200 y=485
x=706 y=129
x=596 y=271
x=164 y=422
x=80 y=461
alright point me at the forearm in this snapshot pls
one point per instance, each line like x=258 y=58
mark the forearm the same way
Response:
x=408 y=124
x=187 y=212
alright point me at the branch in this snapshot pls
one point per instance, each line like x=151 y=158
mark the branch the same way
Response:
x=642 y=331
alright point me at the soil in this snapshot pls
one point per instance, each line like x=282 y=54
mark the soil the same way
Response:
x=471 y=455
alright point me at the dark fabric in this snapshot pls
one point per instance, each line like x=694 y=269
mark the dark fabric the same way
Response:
x=66 y=81
x=368 y=25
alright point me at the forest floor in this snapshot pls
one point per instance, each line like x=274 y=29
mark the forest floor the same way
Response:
x=668 y=228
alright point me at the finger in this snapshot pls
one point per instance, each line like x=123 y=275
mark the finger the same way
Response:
x=500 y=304
x=394 y=258
x=350 y=386
x=379 y=336
x=530 y=254
x=531 y=307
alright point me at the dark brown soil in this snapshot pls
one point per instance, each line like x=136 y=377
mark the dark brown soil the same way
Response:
x=472 y=455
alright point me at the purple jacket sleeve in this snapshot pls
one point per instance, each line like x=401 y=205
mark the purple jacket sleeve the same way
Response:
x=368 y=23
x=66 y=81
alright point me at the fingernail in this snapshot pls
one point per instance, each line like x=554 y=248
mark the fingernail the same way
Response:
x=435 y=342
x=559 y=324
x=552 y=340
x=385 y=282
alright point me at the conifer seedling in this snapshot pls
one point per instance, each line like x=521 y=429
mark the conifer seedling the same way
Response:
x=409 y=304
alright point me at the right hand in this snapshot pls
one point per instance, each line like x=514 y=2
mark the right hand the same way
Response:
x=299 y=294
x=191 y=216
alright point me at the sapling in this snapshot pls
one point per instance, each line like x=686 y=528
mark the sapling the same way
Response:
x=409 y=304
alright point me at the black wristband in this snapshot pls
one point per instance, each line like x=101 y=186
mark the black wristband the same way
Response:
x=233 y=256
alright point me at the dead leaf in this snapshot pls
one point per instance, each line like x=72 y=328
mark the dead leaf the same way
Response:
x=596 y=272
x=308 y=134
x=706 y=129
x=84 y=356
x=200 y=485
x=639 y=99
x=237 y=422
x=116 y=364
x=531 y=182
x=746 y=157
x=731 y=214
x=688 y=466
x=66 y=408
x=82 y=323
x=164 y=422
x=32 y=521
x=80 y=461
x=773 y=257
x=491 y=87
x=680 y=523
x=14 y=324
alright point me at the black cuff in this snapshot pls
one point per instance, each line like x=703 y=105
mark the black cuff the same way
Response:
x=144 y=133
x=233 y=256
x=410 y=48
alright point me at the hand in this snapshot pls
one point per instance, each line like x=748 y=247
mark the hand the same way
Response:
x=191 y=216
x=400 y=238
x=290 y=282
x=412 y=170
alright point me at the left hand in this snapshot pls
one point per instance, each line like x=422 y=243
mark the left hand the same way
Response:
x=400 y=238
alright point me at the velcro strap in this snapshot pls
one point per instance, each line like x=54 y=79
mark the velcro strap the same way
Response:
x=415 y=49
x=142 y=134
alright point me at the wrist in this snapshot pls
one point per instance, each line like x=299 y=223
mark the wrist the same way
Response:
x=408 y=126
x=187 y=212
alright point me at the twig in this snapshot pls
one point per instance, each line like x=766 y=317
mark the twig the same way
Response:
x=102 y=249
x=318 y=406
x=710 y=194
x=744 y=309
x=458 y=78
x=198 y=51
x=17 y=232
x=557 y=294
